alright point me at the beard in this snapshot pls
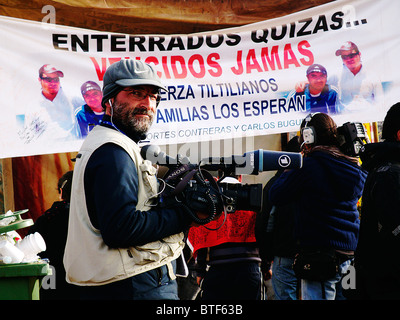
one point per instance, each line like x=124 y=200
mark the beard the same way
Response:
x=126 y=117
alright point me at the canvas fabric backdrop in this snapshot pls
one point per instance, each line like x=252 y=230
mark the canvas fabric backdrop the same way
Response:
x=228 y=83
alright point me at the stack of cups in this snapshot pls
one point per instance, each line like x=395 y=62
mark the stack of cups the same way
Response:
x=31 y=245
x=10 y=253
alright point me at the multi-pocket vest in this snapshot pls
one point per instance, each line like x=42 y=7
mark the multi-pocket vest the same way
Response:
x=87 y=259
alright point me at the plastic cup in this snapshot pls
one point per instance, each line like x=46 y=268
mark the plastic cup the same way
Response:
x=32 y=244
x=7 y=260
x=7 y=249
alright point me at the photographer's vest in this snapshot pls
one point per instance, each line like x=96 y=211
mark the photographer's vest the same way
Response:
x=87 y=259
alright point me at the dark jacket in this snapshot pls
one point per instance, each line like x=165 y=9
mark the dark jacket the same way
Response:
x=53 y=227
x=325 y=192
x=377 y=257
x=274 y=232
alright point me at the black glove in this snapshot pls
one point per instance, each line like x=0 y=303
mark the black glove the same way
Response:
x=204 y=199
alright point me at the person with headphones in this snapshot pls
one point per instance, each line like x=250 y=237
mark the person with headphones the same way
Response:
x=325 y=192
x=121 y=244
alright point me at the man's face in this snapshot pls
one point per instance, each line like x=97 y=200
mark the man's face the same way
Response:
x=135 y=107
x=352 y=59
x=50 y=83
x=317 y=81
x=93 y=100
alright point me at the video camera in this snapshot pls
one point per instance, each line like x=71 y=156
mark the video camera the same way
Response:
x=352 y=137
x=192 y=186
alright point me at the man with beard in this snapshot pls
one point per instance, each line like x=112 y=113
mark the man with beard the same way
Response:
x=121 y=245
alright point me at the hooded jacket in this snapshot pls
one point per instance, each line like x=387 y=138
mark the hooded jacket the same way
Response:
x=325 y=192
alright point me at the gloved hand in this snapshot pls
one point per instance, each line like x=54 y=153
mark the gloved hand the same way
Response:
x=204 y=202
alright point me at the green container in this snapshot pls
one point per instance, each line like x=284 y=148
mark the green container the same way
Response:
x=19 y=223
x=22 y=281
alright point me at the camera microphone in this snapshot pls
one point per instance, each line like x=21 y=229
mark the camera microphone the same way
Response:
x=193 y=186
x=253 y=162
x=154 y=154
x=250 y=163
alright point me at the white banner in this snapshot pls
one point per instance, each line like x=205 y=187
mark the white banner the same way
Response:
x=237 y=82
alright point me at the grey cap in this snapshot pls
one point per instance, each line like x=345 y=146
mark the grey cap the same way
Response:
x=89 y=85
x=316 y=68
x=127 y=73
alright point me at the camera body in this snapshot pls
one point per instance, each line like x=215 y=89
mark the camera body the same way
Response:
x=193 y=188
x=235 y=196
x=211 y=198
x=196 y=190
x=242 y=196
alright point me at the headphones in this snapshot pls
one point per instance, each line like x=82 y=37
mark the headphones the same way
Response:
x=308 y=132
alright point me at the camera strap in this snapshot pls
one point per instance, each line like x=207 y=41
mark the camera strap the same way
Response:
x=208 y=193
x=183 y=183
x=189 y=176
